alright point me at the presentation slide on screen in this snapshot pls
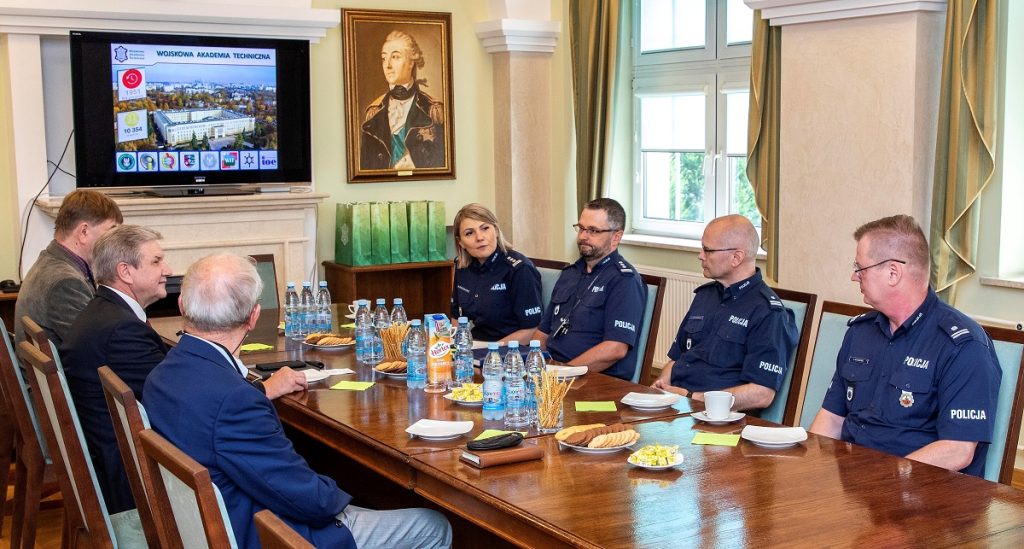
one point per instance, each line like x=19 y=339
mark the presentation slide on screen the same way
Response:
x=194 y=108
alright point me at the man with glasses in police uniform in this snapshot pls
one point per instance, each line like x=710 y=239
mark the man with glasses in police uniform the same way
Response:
x=597 y=305
x=915 y=377
x=737 y=335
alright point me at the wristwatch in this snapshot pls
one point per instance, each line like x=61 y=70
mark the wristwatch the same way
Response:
x=688 y=394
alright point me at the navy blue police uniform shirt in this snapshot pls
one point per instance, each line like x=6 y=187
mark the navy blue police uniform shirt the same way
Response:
x=500 y=295
x=733 y=336
x=606 y=304
x=936 y=377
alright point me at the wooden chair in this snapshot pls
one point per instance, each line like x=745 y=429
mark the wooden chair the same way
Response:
x=550 y=270
x=831 y=330
x=36 y=334
x=1009 y=347
x=783 y=408
x=196 y=509
x=129 y=419
x=34 y=475
x=85 y=515
x=275 y=534
x=7 y=435
x=269 y=298
x=647 y=338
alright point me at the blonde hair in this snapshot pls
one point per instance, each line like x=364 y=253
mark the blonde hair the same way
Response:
x=476 y=212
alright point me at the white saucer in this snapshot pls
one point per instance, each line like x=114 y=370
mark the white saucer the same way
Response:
x=678 y=460
x=430 y=429
x=351 y=316
x=774 y=437
x=733 y=416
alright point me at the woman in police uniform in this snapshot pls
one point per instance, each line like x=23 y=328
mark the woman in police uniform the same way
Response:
x=496 y=287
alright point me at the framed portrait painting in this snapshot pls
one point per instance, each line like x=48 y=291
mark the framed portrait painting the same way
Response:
x=398 y=95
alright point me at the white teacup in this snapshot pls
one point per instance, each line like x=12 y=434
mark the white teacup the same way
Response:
x=353 y=306
x=718 y=404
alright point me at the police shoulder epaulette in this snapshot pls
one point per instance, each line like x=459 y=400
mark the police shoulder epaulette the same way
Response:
x=704 y=286
x=437 y=112
x=862 y=317
x=774 y=303
x=513 y=261
x=959 y=330
x=625 y=268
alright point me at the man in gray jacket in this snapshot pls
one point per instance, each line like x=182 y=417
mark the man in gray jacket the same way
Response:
x=60 y=283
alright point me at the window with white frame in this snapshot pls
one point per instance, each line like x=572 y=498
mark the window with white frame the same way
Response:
x=691 y=80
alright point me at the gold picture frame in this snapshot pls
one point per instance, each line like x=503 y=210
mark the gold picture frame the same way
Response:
x=398 y=95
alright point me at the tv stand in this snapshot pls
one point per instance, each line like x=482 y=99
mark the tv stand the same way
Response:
x=197 y=191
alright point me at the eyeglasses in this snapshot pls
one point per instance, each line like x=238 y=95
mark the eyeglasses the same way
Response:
x=591 y=230
x=713 y=250
x=857 y=268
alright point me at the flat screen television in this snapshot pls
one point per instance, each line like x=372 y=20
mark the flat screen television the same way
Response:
x=179 y=115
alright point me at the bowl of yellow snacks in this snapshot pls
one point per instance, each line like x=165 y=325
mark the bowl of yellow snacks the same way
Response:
x=656 y=457
x=470 y=394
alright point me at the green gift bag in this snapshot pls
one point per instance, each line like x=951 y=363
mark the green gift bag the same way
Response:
x=380 y=233
x=352 y=234
x=419 y=250
x=436 y=244
x=399 y=214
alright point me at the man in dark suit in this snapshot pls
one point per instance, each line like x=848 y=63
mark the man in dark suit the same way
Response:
x=129 y=266
x=199 y=400
x=404 y=128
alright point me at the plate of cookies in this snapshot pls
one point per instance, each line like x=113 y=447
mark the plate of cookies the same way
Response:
x=597 y=438
x=328 y=341
x=393 y=368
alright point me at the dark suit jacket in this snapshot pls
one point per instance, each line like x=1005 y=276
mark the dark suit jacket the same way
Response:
x=108 y=333
x=424 y=140
x=200 y=402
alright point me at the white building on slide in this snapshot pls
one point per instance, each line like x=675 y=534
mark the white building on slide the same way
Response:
x=178 y=126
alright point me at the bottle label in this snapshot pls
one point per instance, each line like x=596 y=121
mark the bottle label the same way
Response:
x=492 y=391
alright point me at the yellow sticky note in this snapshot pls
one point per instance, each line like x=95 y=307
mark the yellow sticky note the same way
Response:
x=280 y=326
x=248 y=347
x=715 y=439
x=349 y=325
x=488 y=433
x=352 y=385
x=596 y=406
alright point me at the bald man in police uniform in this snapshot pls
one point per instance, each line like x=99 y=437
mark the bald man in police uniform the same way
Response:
x=403 y=128
x=737 y=335
x=915 y=377
x=597 y=304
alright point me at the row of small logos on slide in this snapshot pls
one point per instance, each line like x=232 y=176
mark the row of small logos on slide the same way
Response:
x=194 y=161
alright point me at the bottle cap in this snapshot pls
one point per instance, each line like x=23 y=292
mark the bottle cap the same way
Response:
x=535 y=343
x=513 y=344
x=415 y=322
x=463 y=320
x=305 y=284
x=363 y=302
x=397 y=301
x=291 y=284
x=323 y=283
x=381 y=301
x=492 y=346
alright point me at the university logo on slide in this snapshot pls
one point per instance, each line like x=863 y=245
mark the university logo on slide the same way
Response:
x=229 y=160
x=169 y=161
x=147 y=161
x=210 y=160
x=131 y=84
x=126 y=162
x=249 y=160
x=268 y=160
x=189 y=161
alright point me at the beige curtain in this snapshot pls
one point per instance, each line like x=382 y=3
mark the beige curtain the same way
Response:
x=965 y=147
x=763 y=134
x=593 y=37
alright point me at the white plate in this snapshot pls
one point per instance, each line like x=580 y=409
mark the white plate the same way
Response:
x=678 y=461
x=565 y=372
x=396 y=375
x=312 y=376
x=432 y=429
x=647 y=402
x=586 y=450
x=774 y=437
x=351 y=316
x=733 y=416
x=329 y=347
x=464 y=402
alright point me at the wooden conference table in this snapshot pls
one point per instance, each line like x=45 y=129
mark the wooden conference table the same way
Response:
x=819 y=493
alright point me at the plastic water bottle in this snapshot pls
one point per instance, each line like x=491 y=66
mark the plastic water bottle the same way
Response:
x=398 y=314
x=516 y=412
x=364 y=333
x=374 y=347
x=494 y=406
x=291 y=306
x=307 y=310
x=416 y=355
x=324 y=319
x=381 y=316
x=462 y=345
x=534 y=370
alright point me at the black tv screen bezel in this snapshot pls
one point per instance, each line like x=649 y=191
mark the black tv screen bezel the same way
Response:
x=93 y=113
